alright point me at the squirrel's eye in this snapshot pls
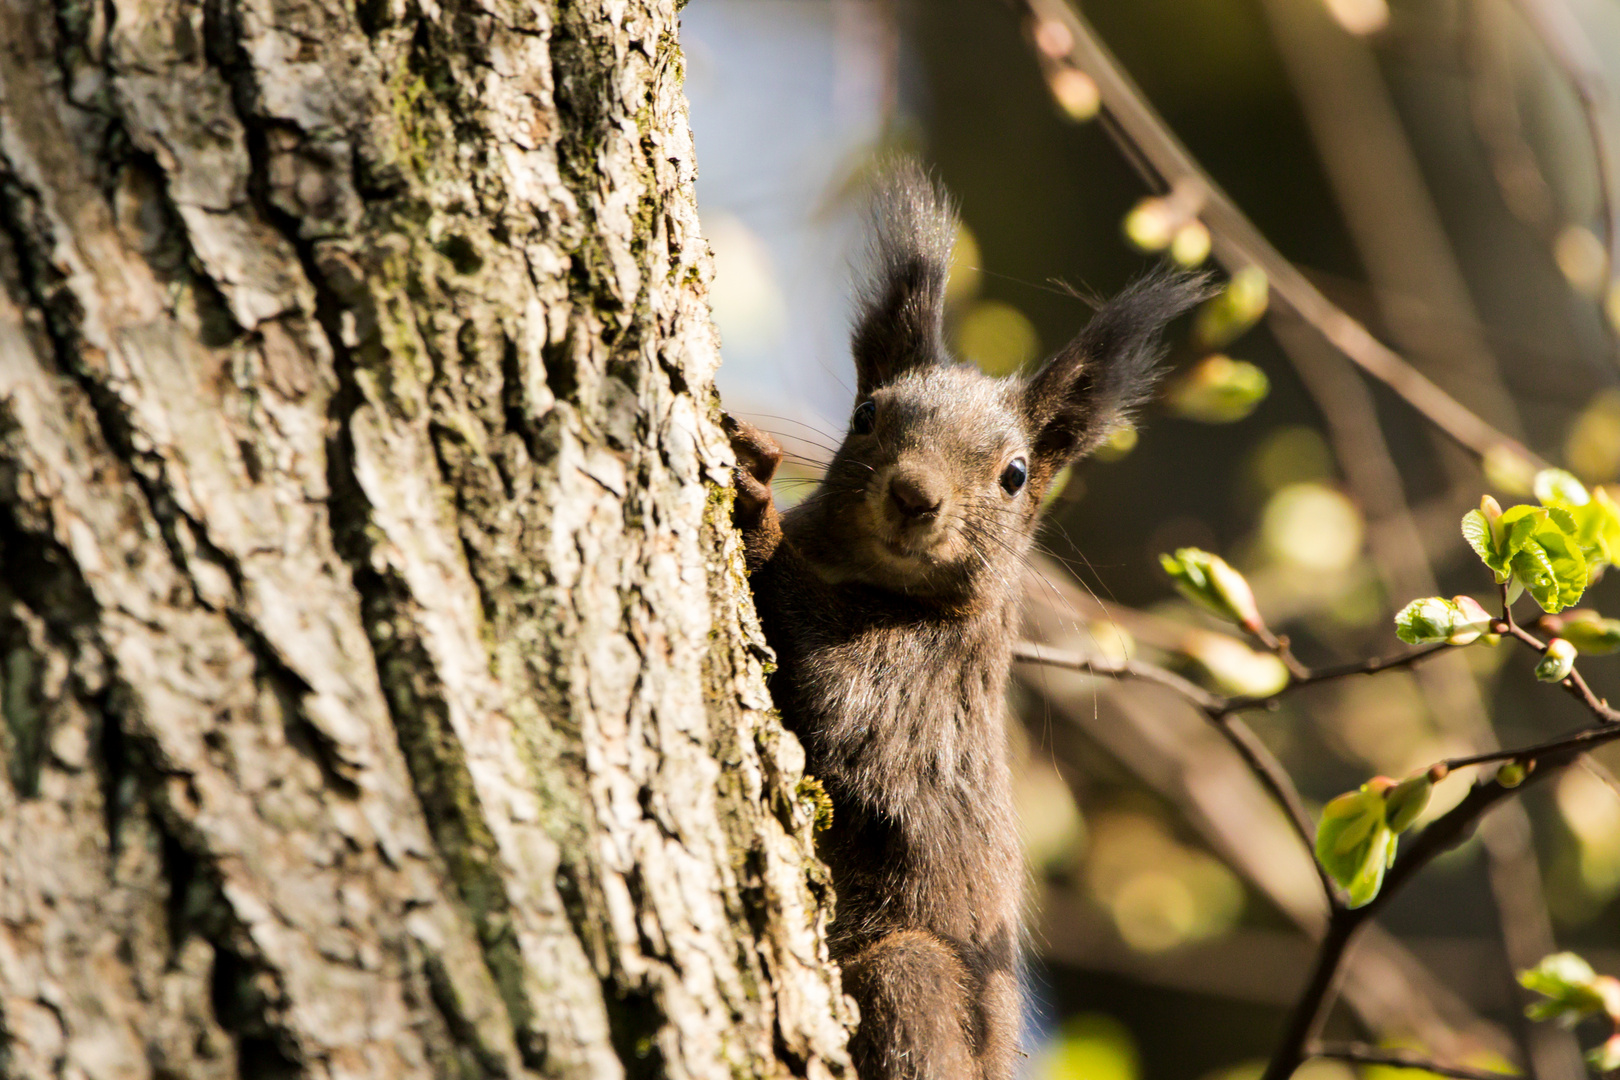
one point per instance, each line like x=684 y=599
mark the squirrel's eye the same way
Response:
x=1014 y=475
x=865 y=418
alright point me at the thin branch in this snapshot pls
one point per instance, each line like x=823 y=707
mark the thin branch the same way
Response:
x=1441 y=835
x=1220 y=709
x=1582 y=741
x=1030 y=653
x=1255 y=754
x=1278 y=645
x=1575 y=683
x=1156 y=153
x=1309 y=1010
x=1362 y=1054
x=1312 y=677
x=1275 y=779
x=1218 y=705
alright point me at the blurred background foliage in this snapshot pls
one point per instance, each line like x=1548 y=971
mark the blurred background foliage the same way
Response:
x=1427 y=164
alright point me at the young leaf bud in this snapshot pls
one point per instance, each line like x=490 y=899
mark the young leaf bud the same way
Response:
x=1590 y=633
x=1191 y=244
x=1471 y=620
x=1236 y=668
x=1568 y=987
x=1119 y=441
x=1218 y=390
x=1511 y=774
x=1076 y=94
x=1557 y=662
x=1428 y=621
x=1353 y=842
x=1209 y=582
x=1492 y=511
x=1238 y=307
x=1406 y=800
x=1605 y=1058
x=1151 y=224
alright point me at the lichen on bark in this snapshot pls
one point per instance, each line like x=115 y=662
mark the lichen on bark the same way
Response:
x=381 y=694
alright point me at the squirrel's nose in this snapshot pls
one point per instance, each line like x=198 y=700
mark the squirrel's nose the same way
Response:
x=915 y=496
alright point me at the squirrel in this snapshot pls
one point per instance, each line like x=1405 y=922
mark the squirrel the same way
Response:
x=890 y=597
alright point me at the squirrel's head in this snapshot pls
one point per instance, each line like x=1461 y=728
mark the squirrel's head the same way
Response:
x=936 y=489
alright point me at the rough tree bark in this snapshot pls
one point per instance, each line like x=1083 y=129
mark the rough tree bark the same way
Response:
x=381 y=695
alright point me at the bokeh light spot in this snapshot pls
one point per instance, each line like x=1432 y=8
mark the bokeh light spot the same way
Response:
x=1091 y=1046
x=997 y=337
x=1312 y=526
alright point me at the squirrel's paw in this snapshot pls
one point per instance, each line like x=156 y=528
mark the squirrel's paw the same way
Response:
x=753 y=512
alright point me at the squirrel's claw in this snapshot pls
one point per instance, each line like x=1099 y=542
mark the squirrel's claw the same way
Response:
x=756 y=451
x=753 y=512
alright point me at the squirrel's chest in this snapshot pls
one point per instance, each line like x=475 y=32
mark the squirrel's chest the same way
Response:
x=907 y=718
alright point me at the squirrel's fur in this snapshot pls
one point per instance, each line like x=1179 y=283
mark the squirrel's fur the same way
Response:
x=890 y=597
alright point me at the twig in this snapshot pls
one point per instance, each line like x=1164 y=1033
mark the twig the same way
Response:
x=1362 y=1054
x=1444 y=833
x=1156 y=152
x=1255 y=754
x=1279 y=646
x=1218 y=705
x=1311 y=1008
x=1575 y=683
x=1441 y=835
x=1311 y=677
x=1030 y=653
x=1305 y=1018
x=1583 y=740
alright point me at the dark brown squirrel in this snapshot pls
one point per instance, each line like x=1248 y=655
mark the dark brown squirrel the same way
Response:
x=890 y=597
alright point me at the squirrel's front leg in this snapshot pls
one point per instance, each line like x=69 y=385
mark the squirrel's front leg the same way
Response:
x=753 y=512
x=916 y=1017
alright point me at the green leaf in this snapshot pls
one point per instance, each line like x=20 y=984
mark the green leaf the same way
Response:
x=1208 y=581
x=1476 y=529
x=1569 y=986
x=1597 y=529
x=1425 y=622
x=1354 y=843
x=1569 y=568
x=1544 y=555
x=1591 y=633
x=1557 y=487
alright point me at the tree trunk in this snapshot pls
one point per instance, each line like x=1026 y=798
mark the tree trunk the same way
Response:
x=381 y=692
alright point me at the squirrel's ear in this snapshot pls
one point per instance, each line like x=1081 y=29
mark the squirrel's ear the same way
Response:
x=899 y=324
x=1110 y=368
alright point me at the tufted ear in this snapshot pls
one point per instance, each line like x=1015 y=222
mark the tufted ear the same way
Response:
x=901 y=305
x=1110 y=368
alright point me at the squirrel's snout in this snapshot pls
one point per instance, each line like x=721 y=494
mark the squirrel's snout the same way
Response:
x=916 y=495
